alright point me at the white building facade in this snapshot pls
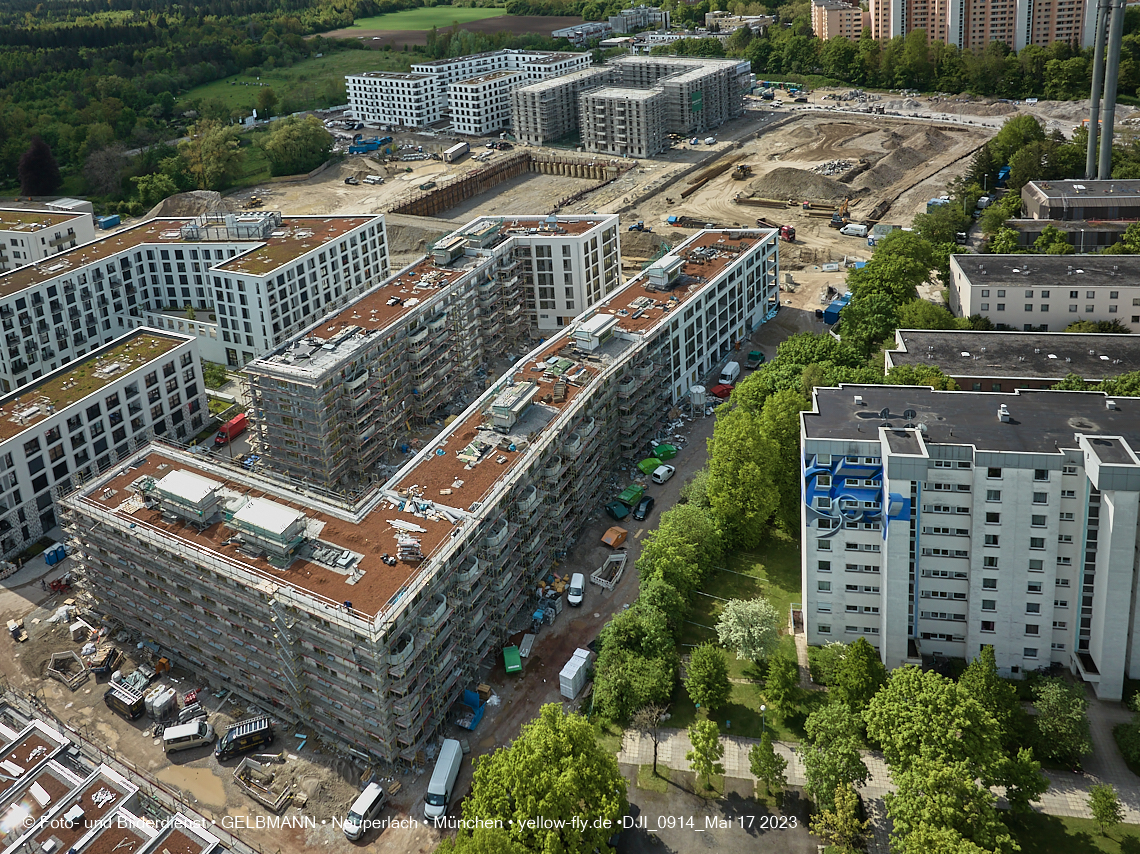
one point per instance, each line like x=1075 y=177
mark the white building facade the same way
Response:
x=482 y=105
x=1046 y=293
x=937 y=523
x=28 y=235
x=389 y=98
x=88 y=416
x=249 y=281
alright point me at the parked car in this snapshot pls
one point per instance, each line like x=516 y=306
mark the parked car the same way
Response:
x=663 y=473
x=643 y=509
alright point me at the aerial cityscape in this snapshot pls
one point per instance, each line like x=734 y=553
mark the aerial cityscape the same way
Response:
x=575 y=427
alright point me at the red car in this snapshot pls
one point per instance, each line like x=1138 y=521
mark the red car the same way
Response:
x=721 y=390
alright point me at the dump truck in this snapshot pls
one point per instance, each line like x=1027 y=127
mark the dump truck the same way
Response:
x=755 y=360
x=787 y=232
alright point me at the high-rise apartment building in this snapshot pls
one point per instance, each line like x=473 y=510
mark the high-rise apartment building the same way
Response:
x=937 y=523
x=976 y=23
x=835 y=18
x=366 y=620
x=30 y=234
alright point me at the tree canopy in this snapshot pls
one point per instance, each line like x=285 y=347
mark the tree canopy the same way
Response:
x=556 y=769
x=296 y=146
x=749 y=627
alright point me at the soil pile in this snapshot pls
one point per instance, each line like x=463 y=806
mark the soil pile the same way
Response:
x=786 y=182
x=644 y=244
x=194 y=203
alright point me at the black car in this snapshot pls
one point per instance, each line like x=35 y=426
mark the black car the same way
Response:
x=643 y=509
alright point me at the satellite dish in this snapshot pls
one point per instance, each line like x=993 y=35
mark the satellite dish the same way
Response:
x=909 y=425
x=922 y=428
x=886 y=424
x=886 y=413
x=909 y=414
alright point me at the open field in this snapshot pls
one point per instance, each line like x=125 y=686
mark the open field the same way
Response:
x=1049 y=834
x=310 y=84
x=425 y=18
x=397 y=37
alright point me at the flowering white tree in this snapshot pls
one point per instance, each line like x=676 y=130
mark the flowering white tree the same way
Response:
x=750 y=627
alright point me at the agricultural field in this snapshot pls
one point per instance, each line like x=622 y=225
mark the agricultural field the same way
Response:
x=310 y=84
x=425 y=18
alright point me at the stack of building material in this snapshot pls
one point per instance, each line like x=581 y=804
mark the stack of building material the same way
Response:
x=408 y=548
x=573 y=676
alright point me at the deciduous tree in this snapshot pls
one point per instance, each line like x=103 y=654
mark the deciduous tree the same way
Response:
x=749 y=627
x=1062 y=721
x=767 y=765
x=859 y=676
x=556 y=769
x=212 y=153
x=996 y=696
x=782 y=684
x=266 y=101
x=831 y=754
x=1105 y=807
x=648 y=720
x=296 y=145
x=707 y=750
x=706 y=678
x=841 y=826
x=742 y=488
x=153 y=188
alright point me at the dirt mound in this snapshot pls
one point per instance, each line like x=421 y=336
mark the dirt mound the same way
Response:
x=644 y=244
x=786 y=182
x=194 y=203
x=929 y=141
x=892 y=168
x=410 y=239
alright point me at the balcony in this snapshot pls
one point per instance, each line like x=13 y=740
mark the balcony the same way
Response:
x=502 y=583
x=496 y=539
x=405 y=648
x=627 y=387
x=433 y=618
x=529 y=500
x=418 y=336
x=587 y=430
x=438 y=323
x=573 y=446
x=554 y=468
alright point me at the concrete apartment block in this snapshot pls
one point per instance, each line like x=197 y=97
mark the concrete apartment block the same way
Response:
x=333 y=402
x=832 y=19
x=390 y=98
x=548 y=110
x=937 y=523
x=701 y=93
x=34 y=232
x=252 y=280
x=87 y=416
x=1046 y=292
x=366 y=621
x=974 y=25
x=482 y=105
x=623 y=122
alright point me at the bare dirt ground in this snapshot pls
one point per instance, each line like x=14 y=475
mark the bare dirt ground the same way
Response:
x=517 y=24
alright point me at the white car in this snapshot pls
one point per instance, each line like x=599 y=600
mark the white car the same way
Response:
x=662 y=473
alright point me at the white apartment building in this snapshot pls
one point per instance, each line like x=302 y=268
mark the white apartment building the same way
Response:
x=251 y=280
x=582 y=34
x=482 y=105
x=1046 y=292
x=87 y=416
x=389 y=98
x=30 y=234
x=937 y=523
x=425 y=95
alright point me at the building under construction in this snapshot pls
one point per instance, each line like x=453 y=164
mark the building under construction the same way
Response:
x=366 y=622
x=547 y=111
x=695 y=95
x=624 y=122
x=331 y=403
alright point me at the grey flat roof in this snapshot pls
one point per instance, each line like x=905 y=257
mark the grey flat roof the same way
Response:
x=903 y=442
x=1040 y=421
x=1111 y=451
x=1085 y=190
x=621 y=94
x=1060 y=272
x=1032 y=355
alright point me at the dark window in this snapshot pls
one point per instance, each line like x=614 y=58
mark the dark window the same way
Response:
x=100 y=446
x=39 y=483
x=35 y=465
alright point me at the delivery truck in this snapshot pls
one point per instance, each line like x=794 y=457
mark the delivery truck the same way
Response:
x=232 y=429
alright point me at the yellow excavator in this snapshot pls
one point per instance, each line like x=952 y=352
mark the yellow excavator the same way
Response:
x=839 y=218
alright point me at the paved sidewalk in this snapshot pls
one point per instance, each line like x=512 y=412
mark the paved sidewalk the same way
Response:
x=1067 y=795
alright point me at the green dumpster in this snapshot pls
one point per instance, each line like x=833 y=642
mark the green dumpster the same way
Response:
x=649 y=465
x=665 y=452
x=511 y=659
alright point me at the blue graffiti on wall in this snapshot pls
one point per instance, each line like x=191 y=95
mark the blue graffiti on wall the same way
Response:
x=853 y=491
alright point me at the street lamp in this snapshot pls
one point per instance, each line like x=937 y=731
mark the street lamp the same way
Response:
x=763 y=727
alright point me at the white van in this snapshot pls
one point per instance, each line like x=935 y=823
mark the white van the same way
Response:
x=185 y=736
x=577 y=589
x=443 y=779
x=364 y=810
x=730 y=373
x=854 y=229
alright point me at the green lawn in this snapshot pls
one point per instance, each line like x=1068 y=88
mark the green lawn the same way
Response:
x=426 y=18
x=310 y=84
x=1047 y=834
